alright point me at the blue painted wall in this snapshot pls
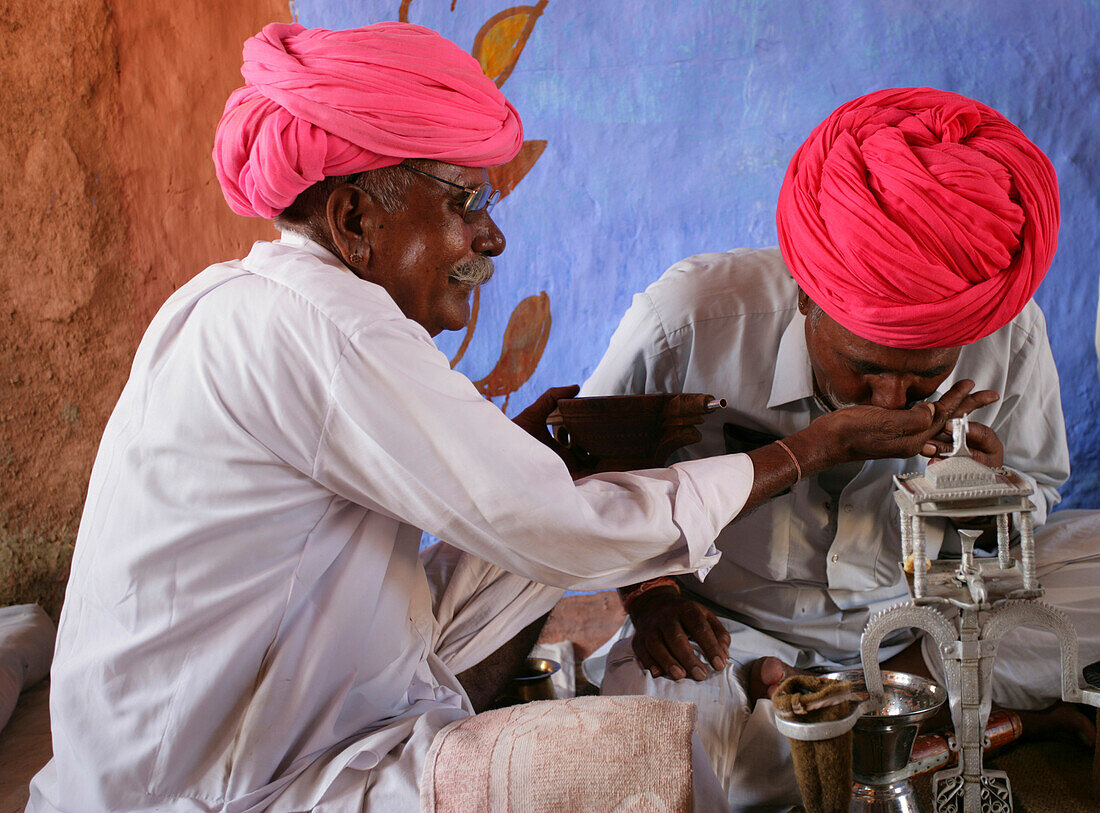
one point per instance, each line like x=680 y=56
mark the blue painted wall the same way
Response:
x=670 y=125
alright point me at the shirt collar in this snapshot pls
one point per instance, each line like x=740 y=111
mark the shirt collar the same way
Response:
x=793 y=378
x=293 y=238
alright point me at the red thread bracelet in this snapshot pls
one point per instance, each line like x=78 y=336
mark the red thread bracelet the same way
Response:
x=660 y=581
x=797 y=468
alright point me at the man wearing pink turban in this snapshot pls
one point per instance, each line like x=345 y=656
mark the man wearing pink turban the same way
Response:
x=249 y=624
x=318 y=104
x=914 y=227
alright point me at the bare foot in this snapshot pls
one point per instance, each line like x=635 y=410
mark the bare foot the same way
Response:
x=765 y=675
x=1064 y=722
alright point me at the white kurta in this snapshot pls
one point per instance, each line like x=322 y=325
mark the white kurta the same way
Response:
x=809 y=566
x=247 y=610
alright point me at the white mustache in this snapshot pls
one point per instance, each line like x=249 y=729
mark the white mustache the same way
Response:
x=473 y=272
x=832 y=401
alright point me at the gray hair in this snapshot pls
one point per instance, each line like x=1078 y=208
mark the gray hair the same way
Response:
x=815 y=314
x=387 y=186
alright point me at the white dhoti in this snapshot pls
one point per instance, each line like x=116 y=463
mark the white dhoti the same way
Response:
x=753 y=761
x=478 y=608
x=1027 y=673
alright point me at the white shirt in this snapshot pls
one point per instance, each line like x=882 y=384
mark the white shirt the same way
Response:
x=246 y=596
x=806 y=565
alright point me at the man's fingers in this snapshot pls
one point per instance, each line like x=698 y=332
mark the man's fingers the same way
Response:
x=985 y=445
x=722 y=637
x=981 y=437
x=663 y=641
x=937 y=446
x=983 y=442
x=959 y=400
x=934 y=449
x=549 y=399
x=532 y=420
x=945 y=408
x=713 y=652
x=545 y=403
x=679 y=646
x=557 y=393
x=976 y=400
x=664 y=659
x=643 y=658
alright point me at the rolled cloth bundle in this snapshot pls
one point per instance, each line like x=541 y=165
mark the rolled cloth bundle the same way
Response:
x=919 y=218
x=823 y=768
x=320 y=103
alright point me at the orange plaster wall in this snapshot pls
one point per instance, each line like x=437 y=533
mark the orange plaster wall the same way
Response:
x=108 y=204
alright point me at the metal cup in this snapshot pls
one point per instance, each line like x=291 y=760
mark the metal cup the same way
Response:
x=882 y=740
x=535 y=680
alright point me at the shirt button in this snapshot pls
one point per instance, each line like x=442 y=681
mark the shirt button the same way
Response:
x=835 y=557
x=848 y=509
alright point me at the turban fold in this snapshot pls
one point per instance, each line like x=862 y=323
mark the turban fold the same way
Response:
x=918 y=218
x=320 y=103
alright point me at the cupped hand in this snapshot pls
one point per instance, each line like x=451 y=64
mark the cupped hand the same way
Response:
x=533 y=419
x=665 y=624
x=870 y=432
x=984 y=445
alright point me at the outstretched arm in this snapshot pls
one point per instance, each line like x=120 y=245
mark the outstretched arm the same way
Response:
x=666 y=623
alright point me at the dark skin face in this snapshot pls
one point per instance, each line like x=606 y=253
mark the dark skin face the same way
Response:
x=849 y=370
x=413 y=251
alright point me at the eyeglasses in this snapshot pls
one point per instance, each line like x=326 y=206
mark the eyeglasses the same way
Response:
x=482 y=196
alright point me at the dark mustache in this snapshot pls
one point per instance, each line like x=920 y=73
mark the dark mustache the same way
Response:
x=473 y=272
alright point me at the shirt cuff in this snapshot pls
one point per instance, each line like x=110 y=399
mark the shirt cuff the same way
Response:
x=721 y=485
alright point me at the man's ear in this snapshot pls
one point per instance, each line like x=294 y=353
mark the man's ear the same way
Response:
x=805 y=304
x=348 y=213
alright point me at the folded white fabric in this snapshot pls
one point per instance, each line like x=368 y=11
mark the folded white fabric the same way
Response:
x=26 y=650
x=585 y=753
x=565 y=679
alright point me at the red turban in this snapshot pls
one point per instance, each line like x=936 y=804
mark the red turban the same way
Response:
x=918 y=218
x=319 y=103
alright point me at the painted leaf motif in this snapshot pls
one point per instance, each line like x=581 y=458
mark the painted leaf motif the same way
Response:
x=523 y=345
x=403 y=11
x=500 y=41
x=506 y=176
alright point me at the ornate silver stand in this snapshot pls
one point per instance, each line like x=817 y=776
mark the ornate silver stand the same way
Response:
x=966 y=606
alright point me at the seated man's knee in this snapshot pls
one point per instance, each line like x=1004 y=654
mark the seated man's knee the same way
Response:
x=625 y=675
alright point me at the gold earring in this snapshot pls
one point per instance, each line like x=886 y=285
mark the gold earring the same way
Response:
x=355 y=258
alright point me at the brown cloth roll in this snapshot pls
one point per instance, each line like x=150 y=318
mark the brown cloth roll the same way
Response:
x=823 y=768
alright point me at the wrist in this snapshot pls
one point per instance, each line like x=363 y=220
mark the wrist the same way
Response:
x=823 y=444
x=662 y=585
x=659 y=598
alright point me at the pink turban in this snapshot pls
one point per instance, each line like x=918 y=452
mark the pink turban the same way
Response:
x=319 y=103
x=918 y=218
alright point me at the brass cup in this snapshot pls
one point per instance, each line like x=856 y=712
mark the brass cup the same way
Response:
x=534 y=681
